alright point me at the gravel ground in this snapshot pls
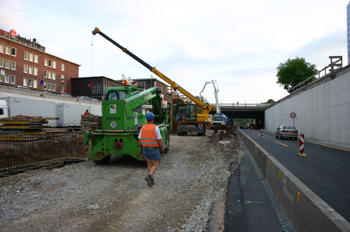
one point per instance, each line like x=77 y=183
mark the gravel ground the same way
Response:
x=188 y=195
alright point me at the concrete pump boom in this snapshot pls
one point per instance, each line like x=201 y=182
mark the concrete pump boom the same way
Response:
x=216 y=90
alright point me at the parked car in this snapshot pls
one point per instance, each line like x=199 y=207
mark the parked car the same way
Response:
x=84 y=97
x=286 y=131
x=65 y=94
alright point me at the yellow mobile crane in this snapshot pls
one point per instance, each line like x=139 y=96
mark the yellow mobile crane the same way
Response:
x=185 y=115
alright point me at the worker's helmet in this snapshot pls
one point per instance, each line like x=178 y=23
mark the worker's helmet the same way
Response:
x=149 y=116
x=87 y=109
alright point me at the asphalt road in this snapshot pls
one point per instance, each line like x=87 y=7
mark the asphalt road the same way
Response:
x=325 y=169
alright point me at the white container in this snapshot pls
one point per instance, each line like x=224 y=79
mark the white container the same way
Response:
x=70 y=115
x=28 y=107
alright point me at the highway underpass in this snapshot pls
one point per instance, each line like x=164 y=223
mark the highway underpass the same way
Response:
x=254 y=111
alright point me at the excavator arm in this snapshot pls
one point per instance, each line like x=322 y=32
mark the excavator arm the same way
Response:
x=206 y=108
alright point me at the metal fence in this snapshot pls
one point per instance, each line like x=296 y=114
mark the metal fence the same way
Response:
x=336 y=62
x=20 y=153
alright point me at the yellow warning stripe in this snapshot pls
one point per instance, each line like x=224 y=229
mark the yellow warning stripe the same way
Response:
x=328 y=146
x=282 y=144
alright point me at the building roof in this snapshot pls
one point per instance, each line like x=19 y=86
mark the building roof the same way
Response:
x=24 y=45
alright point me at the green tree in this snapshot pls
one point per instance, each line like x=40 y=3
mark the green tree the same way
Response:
x=293 y=71
x=270 y=101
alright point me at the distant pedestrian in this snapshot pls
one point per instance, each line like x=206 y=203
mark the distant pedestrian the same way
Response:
x=86 y=111
x=150 y=139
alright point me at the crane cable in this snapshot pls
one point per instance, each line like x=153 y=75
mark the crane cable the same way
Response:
x=93 y=49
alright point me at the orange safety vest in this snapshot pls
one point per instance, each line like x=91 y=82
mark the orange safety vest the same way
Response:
x=148 y=136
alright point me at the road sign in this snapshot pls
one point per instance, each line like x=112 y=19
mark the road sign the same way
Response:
x=293 y=115
x=41 y=82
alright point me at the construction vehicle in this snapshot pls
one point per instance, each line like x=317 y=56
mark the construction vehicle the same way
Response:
x=122 y=119
x=219 y=118
x=189 y=117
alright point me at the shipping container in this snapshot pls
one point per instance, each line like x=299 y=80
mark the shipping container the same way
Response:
x=11 y=106
x=69 y=115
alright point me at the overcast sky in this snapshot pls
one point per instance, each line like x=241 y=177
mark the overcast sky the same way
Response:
x=237 y=43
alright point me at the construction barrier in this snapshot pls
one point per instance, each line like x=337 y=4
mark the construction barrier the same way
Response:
x=304 y=210
x=301 y=145
x=261 y=133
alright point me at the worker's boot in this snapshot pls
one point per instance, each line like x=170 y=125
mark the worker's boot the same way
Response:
x=148 y=179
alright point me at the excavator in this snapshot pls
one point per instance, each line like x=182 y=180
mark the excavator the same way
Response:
x=188 y=117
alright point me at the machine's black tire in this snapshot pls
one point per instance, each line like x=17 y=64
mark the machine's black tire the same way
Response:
x=204 y=130
x=166 y=150
x=103 y=160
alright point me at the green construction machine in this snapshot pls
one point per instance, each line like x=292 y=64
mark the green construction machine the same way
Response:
x=122 y=119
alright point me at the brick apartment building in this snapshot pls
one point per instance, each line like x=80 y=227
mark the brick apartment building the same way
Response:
x=24 y=62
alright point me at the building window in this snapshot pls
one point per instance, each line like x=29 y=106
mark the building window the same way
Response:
x=26 y=55
x=13 y=65
x=53 y=76
x=1 y=48
x=1 y=78
x=62 y=89
x=35 y=71
x=1 y=62
x=62 y=78
x=13 y=79
x=7 y=64
x=25 y=69
x=54 y=64
x=62 y=67
x=46 y=62
x=45 y=74
x=7 y=78
x=48 y=86
x=25 y=81
x=45 y=85
x=53 y=87
x=35 y=84
x=99 y=90
x=30 y=83
x=31 y=70
x=7 y=50
x=13 y=51
x=36 y=59
x=31 y=57
x=49 y=75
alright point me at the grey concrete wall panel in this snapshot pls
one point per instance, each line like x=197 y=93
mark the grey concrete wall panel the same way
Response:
x=322 y=108
x=311 y=213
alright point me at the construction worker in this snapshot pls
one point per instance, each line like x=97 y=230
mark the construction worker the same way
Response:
x=86 y=111
x=150 y=140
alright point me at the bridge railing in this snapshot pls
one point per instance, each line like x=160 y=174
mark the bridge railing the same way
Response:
x=237 y=104
x=336 y=63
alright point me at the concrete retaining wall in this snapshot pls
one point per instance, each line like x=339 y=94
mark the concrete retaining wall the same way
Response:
x=311 y=213
x=322 y=109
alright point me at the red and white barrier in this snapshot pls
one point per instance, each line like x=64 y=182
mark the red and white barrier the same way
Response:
x=301 y=145
x=261 y=133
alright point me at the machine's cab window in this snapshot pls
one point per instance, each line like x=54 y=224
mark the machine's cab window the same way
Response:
x=117 y=95
x=185 y=113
